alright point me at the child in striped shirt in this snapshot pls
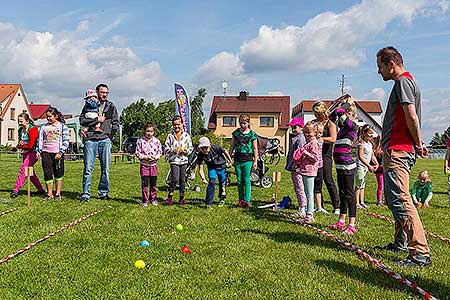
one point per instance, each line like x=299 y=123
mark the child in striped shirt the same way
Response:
x=345 y=164
x=149 y=150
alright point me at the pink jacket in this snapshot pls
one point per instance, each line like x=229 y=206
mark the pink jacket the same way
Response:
x=306 y=159
x=146 y=148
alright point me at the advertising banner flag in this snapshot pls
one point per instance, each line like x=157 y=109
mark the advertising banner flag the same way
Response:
x=183 y=106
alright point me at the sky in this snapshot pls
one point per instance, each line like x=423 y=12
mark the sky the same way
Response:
x=58 y=49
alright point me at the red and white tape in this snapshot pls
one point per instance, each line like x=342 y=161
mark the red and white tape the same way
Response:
x=370 y=259
x=8 y=211
x=444 y=239
x=29 y=246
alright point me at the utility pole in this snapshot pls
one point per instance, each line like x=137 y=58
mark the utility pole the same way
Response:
x=342 y=83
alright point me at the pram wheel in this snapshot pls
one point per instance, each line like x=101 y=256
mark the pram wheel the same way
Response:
x=266 y=182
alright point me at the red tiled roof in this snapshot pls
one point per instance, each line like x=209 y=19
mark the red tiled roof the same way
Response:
x=7 y=94
x=38 y=110
x=369 y=106
x=253 y=104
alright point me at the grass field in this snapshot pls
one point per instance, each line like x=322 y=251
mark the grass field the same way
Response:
x=235 y=253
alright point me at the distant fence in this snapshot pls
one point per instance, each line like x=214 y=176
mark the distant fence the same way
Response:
x=437 y=153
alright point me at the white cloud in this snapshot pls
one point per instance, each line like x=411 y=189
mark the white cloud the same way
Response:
x=435 y=116
x=375 y=94
x=328 y=41
x=60 y=66
x=224 y=66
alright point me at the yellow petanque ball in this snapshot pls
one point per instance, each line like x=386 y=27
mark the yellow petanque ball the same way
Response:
x=139 y=264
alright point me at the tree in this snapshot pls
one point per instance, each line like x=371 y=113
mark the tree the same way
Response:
x=136 y=115
x=440 y=140
x=197 y=117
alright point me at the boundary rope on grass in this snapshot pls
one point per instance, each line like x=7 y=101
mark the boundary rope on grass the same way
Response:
x=29 y=246
x=384 y=218
x=8 y=211
x=370 y=259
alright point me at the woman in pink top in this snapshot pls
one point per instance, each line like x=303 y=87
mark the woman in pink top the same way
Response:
x=149 y=150
x=307 y=161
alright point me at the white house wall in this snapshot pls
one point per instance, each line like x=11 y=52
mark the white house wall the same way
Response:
x=20 y=106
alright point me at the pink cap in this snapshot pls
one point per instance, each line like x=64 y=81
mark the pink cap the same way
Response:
x=90 y=93
x=297 y=121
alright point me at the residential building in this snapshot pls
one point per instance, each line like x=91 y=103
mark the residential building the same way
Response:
x=368 y=111
x=13 y=102
x=269 y=115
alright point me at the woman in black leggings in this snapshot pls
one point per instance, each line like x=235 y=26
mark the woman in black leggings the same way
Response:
x=326 y=172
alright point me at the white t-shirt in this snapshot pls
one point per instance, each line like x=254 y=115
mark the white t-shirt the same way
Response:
x=367 y=153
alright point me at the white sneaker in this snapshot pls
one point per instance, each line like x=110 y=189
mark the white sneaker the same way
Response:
x=337 y=211
x=302 y=212
x=322 y=210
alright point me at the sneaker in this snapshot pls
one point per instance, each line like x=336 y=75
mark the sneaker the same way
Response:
x=144 y=204
x=221 y=203
x=322 y=210
x=58 y=197
x=306 y=220
x=84 y=198
x=337 y=211
x=14 y=194
x=364 y=205
x=301 y=213
x=359 y=206
x=169 y=201
x=338 y=225
x=154 y=203
x=182 y=201
x=48 y=197
x=351 y=230
x=418 y=261
x=105 y=197
x=391 y=247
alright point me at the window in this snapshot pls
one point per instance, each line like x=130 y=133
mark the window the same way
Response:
x=229 y=121
x=13 y=113
x=266 y=121
x=11 y=134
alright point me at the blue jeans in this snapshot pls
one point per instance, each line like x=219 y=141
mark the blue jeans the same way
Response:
x=213 y=174
x=91 y=148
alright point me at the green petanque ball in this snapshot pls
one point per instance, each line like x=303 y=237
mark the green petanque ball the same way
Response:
x=179 y=227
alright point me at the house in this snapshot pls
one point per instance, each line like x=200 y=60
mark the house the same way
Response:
x=368 y=111
x=269 y=115
x=38 y=110
x=13 y=102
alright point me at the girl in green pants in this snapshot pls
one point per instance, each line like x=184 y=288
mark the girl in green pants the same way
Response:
x=245 y=147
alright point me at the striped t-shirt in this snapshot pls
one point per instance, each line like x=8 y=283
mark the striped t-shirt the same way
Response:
x=342 y=153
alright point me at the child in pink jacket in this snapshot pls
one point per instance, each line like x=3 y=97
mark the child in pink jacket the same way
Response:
x=306 y=159
x=149 y=150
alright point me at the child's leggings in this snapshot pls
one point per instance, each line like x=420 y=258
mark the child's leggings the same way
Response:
x=243 y=170
x=346 y=184
x=298 y=188
x=29 y=159
x=380 y=187
x=308 y=184
x=178 y=177
x=148 y=183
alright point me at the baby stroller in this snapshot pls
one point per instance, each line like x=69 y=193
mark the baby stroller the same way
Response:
x=258 y=176
x=271 y=150
x=190 y=171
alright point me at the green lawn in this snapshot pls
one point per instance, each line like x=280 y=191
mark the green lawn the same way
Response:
x=235 y=253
